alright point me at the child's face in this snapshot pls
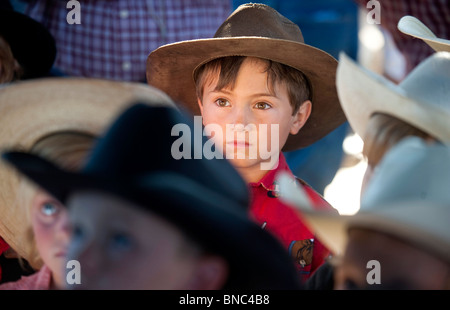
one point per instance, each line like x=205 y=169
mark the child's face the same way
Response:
x=266 y=119
x=401 y=264
x=51 y=229
x=120 y=246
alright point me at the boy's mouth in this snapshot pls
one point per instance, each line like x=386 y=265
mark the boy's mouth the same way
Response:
x=239 y=144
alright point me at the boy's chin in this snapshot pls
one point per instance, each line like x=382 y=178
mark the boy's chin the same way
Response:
x=263 y=165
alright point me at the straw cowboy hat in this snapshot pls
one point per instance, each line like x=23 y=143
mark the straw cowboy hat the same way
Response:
x=410 y=25
x=421 y=99
x=31 y=43
x=30 y=110
x=254 y=30
x=407 y=197
x=205 y=198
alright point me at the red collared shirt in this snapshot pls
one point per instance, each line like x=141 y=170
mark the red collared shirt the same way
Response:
x=286 y=223
x=3 y=247
x=40 y=280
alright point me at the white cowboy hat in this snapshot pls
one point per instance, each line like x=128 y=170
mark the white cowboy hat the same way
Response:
x=407 y=197
x=30 y=110
x=410 y=25
x=421 y=99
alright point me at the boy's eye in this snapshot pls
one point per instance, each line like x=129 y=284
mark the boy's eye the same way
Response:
x=77 y=232
x=222 y=102
x=120 y=241
x=262 y=106
x=49 y=208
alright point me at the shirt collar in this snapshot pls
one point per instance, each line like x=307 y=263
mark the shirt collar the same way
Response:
x=268 y=180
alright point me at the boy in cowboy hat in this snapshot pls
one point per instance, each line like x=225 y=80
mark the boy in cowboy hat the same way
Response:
x=58 y=119
x=400 y=238
x=256 y=73
x=144 y=220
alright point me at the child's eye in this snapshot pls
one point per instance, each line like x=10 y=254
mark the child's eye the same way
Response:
x=121 y=241
x=222 y=103
x=262 y=106
x=49 y=208
x=77 y=232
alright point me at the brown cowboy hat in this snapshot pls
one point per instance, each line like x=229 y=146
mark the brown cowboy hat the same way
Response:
x=30 y=110
x=254 y=30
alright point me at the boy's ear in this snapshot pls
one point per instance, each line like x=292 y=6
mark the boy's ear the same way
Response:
x=301 y=116
x=211 y=274
x=200 y=105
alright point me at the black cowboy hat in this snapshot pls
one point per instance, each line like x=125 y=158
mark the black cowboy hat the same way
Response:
x=205 y=198
x=31 y=43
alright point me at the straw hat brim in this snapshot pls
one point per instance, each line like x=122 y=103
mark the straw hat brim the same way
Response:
x=171 y=67
x=33 y=109
x=407 y=220
x=363 y=93
x=411 y=26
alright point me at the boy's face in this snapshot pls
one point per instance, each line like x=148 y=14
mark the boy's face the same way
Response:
x=255 y=122
x=401 y=265
x=120 y=246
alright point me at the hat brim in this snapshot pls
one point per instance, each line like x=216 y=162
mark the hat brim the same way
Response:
x=171 y=67
x=363 y=93
x=30 y=110
x=411 y=26
x=407 y=220
x=199 y=212
x=31 y=43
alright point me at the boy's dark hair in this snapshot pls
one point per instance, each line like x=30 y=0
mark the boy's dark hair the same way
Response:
x=297 y=84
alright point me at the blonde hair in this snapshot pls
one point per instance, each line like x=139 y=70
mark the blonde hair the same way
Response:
x=384 y=131
x=10 y=69
x=68 y=150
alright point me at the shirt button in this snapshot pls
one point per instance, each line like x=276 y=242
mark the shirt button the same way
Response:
x=124 y=14
x=126 y=65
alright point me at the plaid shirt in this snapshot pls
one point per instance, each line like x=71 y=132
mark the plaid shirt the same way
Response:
x=116 y=36
x=435 y=14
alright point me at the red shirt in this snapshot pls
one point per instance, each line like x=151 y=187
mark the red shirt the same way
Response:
x=3 y=247
x=286 y=223
x=40 y=280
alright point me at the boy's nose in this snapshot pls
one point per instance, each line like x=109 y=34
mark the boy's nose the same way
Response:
x=242 y=116
x=88 y=255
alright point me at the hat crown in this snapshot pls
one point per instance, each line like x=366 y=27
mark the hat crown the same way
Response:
x=259 y=20
x=411 y=171
x=429 y=81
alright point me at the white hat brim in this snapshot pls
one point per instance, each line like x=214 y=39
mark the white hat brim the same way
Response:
x=425 y=227
x=363 y=93
x=410 y=25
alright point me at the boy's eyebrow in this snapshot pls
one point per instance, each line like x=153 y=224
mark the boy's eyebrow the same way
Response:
x=253 y=95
